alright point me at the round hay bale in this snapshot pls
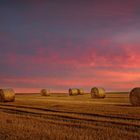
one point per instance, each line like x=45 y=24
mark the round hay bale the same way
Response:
x=134 y=96
x=45 y=92
x=73 y=91
x=80 y=91
x=7 y=95
x=97 y=92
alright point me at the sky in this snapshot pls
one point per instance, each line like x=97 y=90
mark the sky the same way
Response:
x=69 y=43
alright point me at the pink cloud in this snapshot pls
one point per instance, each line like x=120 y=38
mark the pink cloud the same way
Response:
x=105 y=55
x=114 y=66
x=110 y=80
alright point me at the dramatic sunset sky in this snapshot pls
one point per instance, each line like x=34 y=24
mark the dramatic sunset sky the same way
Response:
x=59 y=44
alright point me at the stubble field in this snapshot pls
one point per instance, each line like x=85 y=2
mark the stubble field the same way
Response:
x=63 y=117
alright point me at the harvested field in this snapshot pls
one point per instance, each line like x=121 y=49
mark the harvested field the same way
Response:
x=64 y=117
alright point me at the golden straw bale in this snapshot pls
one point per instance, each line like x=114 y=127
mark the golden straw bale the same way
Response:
x=97 y=92
x=80 y=91
x=45 y=92
x=73 y=91
x=134 y=96
x=7 y=95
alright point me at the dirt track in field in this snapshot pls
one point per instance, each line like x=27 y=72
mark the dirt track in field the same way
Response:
x=74 y=117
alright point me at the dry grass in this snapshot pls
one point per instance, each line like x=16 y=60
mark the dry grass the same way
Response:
x=63 y=117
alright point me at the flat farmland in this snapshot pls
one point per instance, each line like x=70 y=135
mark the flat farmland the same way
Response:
x=63 y=117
